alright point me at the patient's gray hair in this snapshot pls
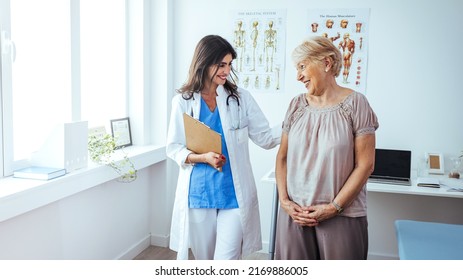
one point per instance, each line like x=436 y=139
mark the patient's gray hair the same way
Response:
x=315 y=50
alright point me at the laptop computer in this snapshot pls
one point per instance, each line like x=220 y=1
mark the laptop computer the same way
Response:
x=392 y=167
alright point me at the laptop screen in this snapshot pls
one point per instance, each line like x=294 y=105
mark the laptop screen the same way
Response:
x=392 y=165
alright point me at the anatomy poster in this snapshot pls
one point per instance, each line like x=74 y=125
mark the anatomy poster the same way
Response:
x=258 y=37
x=348 y=30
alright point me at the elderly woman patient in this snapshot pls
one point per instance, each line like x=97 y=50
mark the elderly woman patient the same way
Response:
x=326 y=154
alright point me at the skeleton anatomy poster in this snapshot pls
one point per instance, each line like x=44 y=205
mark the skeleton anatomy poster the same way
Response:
x=259 y=39
x=348 y=30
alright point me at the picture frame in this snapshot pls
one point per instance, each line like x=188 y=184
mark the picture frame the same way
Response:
x=120 y=130
x=435 y=163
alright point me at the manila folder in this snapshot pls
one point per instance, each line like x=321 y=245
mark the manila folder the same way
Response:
x=199 y=137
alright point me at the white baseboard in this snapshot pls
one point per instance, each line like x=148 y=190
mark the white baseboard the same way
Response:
x=160 y=240
x=136 y=249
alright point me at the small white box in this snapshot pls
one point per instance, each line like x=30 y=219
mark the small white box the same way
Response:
x=66 y=147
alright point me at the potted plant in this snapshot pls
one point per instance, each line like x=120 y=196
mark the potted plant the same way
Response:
x=101 y=150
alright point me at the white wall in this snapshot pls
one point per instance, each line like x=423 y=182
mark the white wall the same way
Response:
x=109 y=221
x=413 y=72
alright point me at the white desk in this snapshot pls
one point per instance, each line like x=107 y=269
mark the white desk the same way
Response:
x=443 y=191
x=373 y=188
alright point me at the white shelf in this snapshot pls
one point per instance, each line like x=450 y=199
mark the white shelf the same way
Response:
x=18 y=196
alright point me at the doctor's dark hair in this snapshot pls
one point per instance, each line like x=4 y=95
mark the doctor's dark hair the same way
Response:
x=210 y=51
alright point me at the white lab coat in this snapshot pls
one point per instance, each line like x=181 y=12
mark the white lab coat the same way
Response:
x=253 y=125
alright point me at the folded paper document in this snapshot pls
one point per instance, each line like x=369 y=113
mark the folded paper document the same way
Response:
x=452 y=184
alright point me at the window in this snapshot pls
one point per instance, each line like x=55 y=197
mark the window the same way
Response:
x=103 y=60
x=61 y=61
x=41 y=80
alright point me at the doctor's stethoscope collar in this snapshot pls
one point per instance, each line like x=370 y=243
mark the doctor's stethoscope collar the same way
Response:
x=233 y=101
x=234 y=96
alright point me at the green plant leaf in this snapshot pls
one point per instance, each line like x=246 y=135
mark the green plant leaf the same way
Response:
x=101 y=150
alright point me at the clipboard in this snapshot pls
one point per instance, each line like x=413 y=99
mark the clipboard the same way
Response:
x=199 y=137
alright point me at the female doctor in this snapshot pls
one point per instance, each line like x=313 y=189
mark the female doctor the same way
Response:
x=216 y=213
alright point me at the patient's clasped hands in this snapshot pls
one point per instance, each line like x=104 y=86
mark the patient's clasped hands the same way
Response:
x=308 y=215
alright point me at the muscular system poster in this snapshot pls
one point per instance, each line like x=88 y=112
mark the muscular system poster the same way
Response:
x=348 y=30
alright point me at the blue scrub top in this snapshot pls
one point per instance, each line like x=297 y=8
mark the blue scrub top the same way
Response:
x=210 y=188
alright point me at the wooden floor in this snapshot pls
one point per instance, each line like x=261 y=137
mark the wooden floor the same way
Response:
x=161 y=253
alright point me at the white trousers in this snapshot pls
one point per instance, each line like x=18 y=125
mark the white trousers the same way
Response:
x=215 y=234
